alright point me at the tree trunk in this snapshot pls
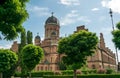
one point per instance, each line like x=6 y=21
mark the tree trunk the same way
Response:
x=30 y=74
x=75 y=75
x=1 y=75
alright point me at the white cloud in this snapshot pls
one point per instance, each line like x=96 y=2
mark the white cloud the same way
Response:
x=73 y=17
x=106 y=30
x=83 y=19
x=104 y=3
x=38 y=11
x=7 y=46
x=70 y=2
x=95 y=9
x=102 y=18
x=113 y=4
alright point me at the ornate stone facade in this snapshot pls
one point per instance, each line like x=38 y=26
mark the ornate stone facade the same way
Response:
x=15 y=46
x=103 y=56
x=49 y=45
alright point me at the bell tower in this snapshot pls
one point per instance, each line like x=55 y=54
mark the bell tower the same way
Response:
x=37 y=40
x=50 y=43
x=52 y=28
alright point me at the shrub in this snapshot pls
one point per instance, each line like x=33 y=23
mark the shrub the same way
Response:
x=101 y=71
x=78 y=76
x=67 y=72
x=109 y=71
x=85 y=71
x=35 y=74
x=58 y=76
x=18 y=74
x=92 y=71
x=42 y=73
x=86 y=76
x=57 y=73
x=78 y=72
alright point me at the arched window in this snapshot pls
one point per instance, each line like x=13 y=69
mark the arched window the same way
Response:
x=93 y=66
x=50 y=68
x=38 y=68
x=56 y=68
x=53 y=33
x=108 y=66
x=51 y=59
x=41 y=67
x=45 y=68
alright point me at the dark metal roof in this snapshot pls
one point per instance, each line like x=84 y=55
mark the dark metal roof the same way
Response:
x=37 y=37
x=52 y=20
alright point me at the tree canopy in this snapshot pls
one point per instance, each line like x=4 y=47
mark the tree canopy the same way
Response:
x=31 y=56
x=7 y=59
x=23 y=39
x=77 y=47
x=29 y=37
x=12 y=16
x=116 y=36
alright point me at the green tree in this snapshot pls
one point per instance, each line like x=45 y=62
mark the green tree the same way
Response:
x=116 y=36
x=7 y=60
x=21 y=45
x=19 y=63
x=62 y=66
x=31 y=56
x=12 y=16
x=29 y=37
x=76 y=48
x=23 y=40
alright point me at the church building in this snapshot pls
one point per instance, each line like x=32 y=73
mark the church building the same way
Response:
x=49 y=45
x=103 y=56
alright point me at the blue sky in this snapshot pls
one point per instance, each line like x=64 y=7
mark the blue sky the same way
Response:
x=94 y=14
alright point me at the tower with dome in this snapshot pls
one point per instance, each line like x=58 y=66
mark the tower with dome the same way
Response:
x=102 y=58
x=49 y=44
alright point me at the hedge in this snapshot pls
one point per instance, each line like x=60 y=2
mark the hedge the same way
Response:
x=42 y=73
x=79 y=76
x=85 y=76
x=67 y=72
x=36 y=74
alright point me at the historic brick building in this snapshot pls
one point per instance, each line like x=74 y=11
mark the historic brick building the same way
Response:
x=103 y=56
x=49 y=45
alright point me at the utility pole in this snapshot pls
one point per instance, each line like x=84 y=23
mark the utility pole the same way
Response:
x=0 y=37
x=111 y=15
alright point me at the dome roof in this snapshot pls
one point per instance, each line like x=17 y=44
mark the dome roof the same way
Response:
x=52 y=20
x=37 y=37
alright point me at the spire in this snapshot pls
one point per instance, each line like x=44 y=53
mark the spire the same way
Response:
x=102 y=43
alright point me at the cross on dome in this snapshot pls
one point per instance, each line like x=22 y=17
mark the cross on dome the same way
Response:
x=52 y=13
x=37 y=33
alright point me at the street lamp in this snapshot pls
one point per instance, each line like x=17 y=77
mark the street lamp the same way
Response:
x=111 y=15
x=0 y=38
